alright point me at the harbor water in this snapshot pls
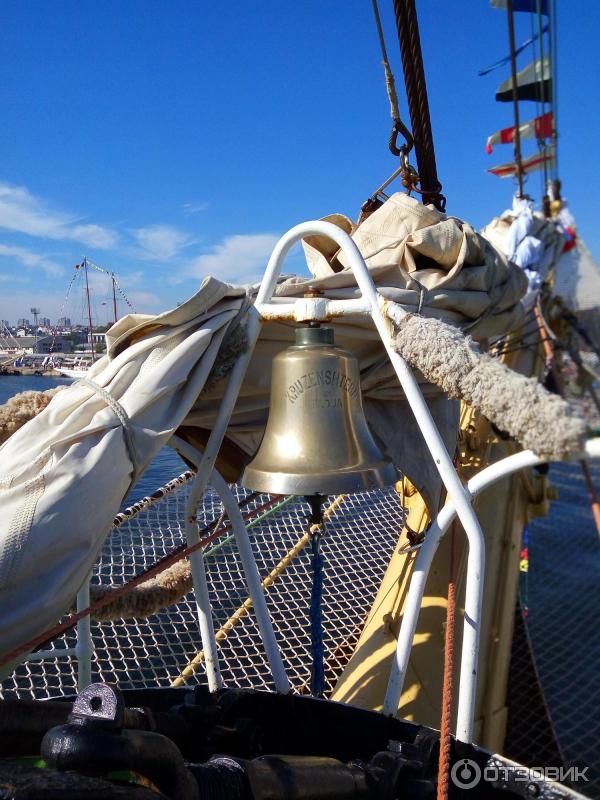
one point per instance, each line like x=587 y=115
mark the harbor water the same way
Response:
x=165 y=466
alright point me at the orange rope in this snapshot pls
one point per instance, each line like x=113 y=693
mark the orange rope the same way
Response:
x=546 y=340
x=447 y=691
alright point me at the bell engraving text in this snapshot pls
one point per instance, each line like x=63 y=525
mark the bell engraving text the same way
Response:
x=323 y=377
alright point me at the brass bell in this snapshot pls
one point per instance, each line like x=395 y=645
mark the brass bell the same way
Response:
x=317 y=440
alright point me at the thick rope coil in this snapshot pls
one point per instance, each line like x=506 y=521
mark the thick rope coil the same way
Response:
x=520 y=406
x=21 y=408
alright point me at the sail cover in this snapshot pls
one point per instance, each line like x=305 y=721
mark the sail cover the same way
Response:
x=577 y=278
x=65 y=473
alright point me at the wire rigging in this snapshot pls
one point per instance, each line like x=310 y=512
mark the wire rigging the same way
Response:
x=418 y=103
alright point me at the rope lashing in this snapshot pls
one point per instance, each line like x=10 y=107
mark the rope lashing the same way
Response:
x=317 y=681
x=390 y=83
x=410 y=177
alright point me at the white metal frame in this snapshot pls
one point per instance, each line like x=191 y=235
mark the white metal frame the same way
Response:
x=84 y=648
x=251 y=575
x=459 y=503
x=475 y=574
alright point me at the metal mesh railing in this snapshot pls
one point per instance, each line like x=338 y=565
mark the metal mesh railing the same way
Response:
x=149 y=652
x=560 y=597
x=561 y=593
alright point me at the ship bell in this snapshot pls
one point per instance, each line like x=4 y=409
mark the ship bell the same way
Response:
x=317 y=440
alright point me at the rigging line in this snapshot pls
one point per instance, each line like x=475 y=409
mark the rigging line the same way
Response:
x=540 y=94
x=390 y=83
x=156 y=569
x=113 y=277
x=418 y=104
x=502 y=61
x=513 y=344
x=529 y=326
x=62 y=308
x=267 y=581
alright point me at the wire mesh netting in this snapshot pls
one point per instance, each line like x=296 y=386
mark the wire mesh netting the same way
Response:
x=359 y=539
x=560 y=598
x=553 y=696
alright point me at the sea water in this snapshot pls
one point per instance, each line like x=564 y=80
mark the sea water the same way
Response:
x=166 y=465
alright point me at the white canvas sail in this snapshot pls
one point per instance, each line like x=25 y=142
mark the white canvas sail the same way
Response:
x=577 y=279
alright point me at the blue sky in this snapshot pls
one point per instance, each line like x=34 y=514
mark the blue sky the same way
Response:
x=170 y=140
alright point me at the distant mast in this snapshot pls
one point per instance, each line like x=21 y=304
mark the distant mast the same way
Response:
x=515 y=93
x=89 y=307
x=114 y=293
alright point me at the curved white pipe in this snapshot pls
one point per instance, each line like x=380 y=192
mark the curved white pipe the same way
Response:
x=251 y=575
x=456 y=492
x=467 y=699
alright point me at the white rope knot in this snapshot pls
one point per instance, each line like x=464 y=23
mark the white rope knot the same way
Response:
x=123 y=418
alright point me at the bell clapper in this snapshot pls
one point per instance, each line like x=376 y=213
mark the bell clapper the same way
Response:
x=316 y=528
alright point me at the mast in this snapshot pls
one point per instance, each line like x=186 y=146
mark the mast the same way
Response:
x=515 y=93
x=552 y=57
x=543 y=93
x=87 y=294
x=112 y=277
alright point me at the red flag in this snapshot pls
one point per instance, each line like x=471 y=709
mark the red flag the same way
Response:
x=537 y=128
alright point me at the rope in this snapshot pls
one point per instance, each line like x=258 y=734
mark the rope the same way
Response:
x=317 y=682
x=123 y=418
x=113 y=277
x=153 y=594
x=418 y=103
x=160 y=566
x=256 y=521
x=447 y=691
x=390 y=83
x=244 y=609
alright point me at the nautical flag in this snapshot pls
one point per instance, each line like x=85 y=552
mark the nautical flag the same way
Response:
x=531 y=164
x=537 y=128
x=525 y=5
x=533 y=83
